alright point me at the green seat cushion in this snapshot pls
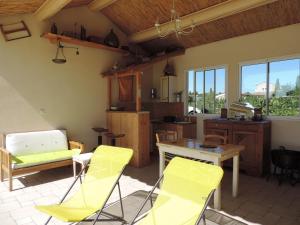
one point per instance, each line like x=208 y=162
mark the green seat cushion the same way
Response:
x=41 y=158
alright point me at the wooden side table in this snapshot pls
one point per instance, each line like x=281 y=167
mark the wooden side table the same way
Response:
x=83 y=160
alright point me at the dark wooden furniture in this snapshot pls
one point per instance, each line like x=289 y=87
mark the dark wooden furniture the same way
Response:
x=255 y=136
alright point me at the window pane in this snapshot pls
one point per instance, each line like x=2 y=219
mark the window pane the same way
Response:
x=191 y=91
x=199 y=91
x=209 y=106
x=254 y=85
x=220 y=90
x=284 y=88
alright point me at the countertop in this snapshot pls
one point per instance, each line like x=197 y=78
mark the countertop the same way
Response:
x=176 y=123
x=238 y=121
x=116 y=111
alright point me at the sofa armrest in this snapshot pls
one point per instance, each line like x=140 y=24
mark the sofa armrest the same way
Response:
x=5 y=160
x=75 y=144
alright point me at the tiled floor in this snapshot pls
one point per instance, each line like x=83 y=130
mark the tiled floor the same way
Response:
x=259 y=201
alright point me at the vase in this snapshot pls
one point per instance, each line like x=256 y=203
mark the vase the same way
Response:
x=112 y=39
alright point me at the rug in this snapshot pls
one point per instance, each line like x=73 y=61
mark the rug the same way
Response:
x=133 y=202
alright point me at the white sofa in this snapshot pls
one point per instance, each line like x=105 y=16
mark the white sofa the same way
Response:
x=35 y=151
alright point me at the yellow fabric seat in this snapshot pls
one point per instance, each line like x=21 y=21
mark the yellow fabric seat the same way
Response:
x=184 y=194
x=105 y=169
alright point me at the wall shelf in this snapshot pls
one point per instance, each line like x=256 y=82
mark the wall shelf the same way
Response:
x=130 y=70
x=53 y=38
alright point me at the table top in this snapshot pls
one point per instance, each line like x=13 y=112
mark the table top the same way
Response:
x=194 y=145
x=83 y=157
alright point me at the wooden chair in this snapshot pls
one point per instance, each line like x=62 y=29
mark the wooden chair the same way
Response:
x=214 y=139
x=166 y=135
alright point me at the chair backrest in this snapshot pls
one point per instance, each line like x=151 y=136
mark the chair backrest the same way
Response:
x=185 y=188
x=166 y=135
x=215 y=139
x=106 y=166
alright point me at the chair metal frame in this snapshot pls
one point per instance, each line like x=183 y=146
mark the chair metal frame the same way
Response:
x=149 y=196
x=98 y=213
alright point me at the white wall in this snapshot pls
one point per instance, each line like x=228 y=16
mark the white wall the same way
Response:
x=267 y=44
x=36 y=94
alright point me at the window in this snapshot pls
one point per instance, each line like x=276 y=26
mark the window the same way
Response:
x=206 y=90
x=273 y=86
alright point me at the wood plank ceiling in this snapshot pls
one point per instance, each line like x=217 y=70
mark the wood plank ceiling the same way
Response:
x=135 y=15
x=13 y=7
x=132 y=16
x=277 y=14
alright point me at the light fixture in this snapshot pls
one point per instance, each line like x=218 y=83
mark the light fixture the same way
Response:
x=177 y=28
x=60 y=51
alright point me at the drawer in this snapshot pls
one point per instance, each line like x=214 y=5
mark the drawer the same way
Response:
x=246 y=127
x=212 y=125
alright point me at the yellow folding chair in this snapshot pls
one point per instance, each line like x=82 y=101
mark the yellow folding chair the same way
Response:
x=105 y=169
x=185 y=191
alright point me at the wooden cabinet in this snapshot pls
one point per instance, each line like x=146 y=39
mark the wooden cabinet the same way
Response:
x=167 y=88
x=255 y=136
x=136 y=127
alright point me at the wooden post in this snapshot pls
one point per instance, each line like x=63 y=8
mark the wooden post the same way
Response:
x=138 y=76
x=109 y=92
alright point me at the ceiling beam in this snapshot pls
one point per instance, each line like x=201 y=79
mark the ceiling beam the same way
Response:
x=209 y=14
x=97 y=5
x=49 y=8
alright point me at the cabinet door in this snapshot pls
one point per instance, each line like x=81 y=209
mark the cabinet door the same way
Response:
x=248 y=159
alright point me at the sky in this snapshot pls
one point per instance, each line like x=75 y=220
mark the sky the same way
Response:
x=286 y=71
x=209 y=80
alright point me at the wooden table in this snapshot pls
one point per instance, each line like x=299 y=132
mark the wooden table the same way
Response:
x=191 y=148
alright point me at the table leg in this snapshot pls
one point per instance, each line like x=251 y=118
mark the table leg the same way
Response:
x=74 y=169
x=235 y=176
x=217 y=194
x=161 y=162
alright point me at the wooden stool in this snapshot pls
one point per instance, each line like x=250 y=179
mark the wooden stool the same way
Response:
x=100 y=130
x=113 y=137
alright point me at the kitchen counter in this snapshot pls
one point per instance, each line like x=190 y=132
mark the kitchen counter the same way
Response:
x=177 y=123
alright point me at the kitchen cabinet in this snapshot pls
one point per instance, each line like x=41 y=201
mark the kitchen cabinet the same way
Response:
x=255 y=136
x=167 y=88
x=136 y=127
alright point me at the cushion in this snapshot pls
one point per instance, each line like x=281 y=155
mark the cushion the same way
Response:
x=20 y=144
x=41 y=158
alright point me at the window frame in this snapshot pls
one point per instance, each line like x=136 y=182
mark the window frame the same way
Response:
x=203 y=69
x=268 y=61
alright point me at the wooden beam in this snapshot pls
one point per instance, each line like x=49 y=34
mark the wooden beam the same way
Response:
x=97 y=5
x=109 y=92
x=138 y=100
x=209 y=14
x=49 y=8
